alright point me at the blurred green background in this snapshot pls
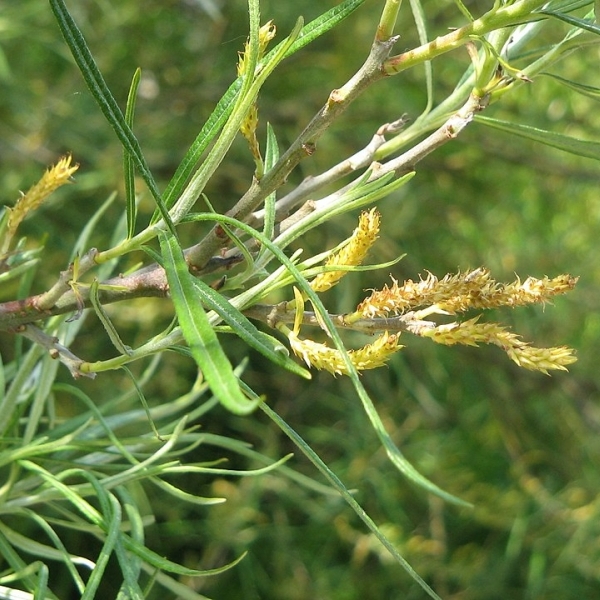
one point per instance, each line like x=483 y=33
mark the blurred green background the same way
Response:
x=523 y=447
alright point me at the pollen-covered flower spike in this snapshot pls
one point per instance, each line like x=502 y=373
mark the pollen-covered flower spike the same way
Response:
x=265 y=35
x=352 y=253
x=461 y=292
x=52 y=179
x=457 y=293
x=473 y=333
x=321 y=356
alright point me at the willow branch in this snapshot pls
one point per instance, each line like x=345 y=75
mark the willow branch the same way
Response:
x=505 y=16
x=146 y=282
x=303 y=146
x=55 y=349
x=360 y=160
x=71 y=296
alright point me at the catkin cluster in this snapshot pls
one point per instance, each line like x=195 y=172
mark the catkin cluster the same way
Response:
x=411 y=302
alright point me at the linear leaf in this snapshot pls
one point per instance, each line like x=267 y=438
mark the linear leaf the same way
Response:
x=549 y=138
x=581 y=88
x=585 y=24
x=106 y=322
x=271 y=158
x=208 y=132
x=247 y=96
x=112 y=514
x=327 y=21
x=97 y=519
x=128 y=166
x=13 y=560
x=337 y=483
x=131 y=566
x=199 y=333
x=421 y=22
x=246 y=330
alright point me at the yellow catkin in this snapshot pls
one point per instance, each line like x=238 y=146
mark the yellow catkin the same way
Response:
x=265 y=35
x=52 y=179
x=321 y=356
x=352 y=253
x=461 y=292
x=529 y=357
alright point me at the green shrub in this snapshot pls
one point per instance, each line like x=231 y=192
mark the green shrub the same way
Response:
x=126 y=384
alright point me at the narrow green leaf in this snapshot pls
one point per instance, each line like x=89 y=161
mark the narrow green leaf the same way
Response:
x=128 y=166
x=112 y=515
x=237 y=242
x=12 y=401
x=97 y=519
x=131 y=566
x=585 y=90
x=15 y=562
x=199 y=333
x=82 y=243
x=184 y=496
x=316 y=28
x=464 y=10
x=67 y=559
x=549 y=138
x=41 y=397
x=159 y=562
x=248 y=93
x=209 y=131
x=421 y=22
x=585 y=24
x=143 y=401
x=105 y=100
x=69 y=492
x=271 y=158
x=4 y=240
x=22 y=269
x=565 y=6
x=2 y=378
x=247 y=331
x=33 y=547
x=41 y=589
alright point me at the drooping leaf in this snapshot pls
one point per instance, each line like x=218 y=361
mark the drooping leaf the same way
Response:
x=106 y=322
x=336 y=482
